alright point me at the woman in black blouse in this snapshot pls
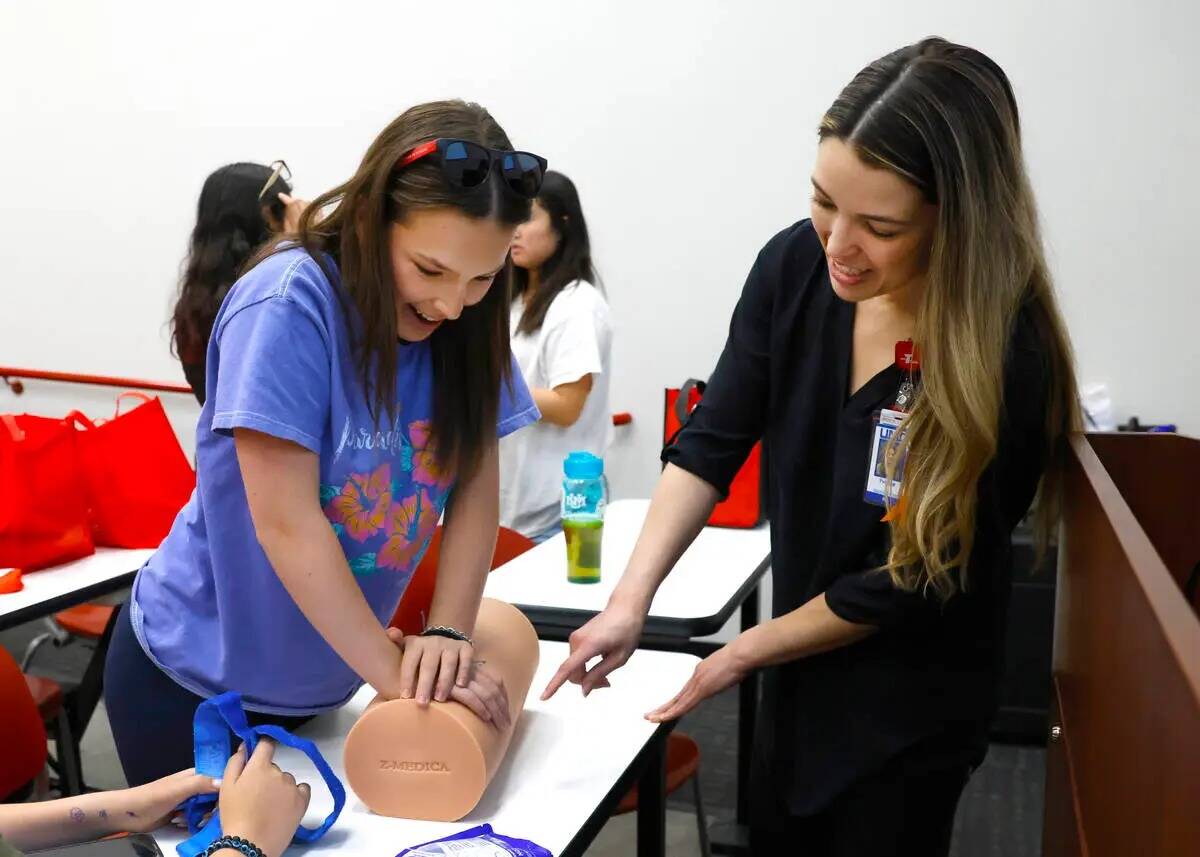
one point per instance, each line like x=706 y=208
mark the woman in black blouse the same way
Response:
x=880 y=666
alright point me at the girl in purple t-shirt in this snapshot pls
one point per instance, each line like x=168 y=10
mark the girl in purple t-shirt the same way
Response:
x=359 y=377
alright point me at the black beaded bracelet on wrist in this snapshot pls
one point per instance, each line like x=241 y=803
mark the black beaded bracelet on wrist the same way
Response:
x=448 y=633
x=236 y=843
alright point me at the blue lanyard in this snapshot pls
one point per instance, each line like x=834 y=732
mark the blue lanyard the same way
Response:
x=214 y=720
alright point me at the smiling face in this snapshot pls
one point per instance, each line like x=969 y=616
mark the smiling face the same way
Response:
x=875 y=226
x=442 y=261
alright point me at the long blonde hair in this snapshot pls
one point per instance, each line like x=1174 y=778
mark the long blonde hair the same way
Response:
x=943 y=117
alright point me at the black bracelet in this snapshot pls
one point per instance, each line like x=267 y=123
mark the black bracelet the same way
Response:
x=448 y=633
x=237 y=844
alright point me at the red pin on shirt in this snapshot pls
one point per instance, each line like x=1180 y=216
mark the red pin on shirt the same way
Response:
x=907 y=357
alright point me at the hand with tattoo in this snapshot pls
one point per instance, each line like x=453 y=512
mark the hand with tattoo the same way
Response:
x=151 y=806
x=47 y=824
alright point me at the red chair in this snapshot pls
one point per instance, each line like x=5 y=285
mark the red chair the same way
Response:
x=683 y=764
x=84 y=621
x=410 y=616
x=24 y=756
x=76 y=700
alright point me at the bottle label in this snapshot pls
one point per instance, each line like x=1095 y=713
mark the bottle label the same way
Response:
x=583 y=498
x=575 y=502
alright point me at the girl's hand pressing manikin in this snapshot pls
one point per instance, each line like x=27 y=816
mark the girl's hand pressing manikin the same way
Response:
x=440 y=669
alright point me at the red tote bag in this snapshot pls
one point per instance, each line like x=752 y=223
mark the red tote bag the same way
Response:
x=745 y=506
x=137 y=475
x=43 y=500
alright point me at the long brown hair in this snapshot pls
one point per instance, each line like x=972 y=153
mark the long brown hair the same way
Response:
x=944 y=117
x=471 y=355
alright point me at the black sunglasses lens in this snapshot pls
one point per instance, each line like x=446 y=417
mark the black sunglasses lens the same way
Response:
x=466 y=164
x=523 y=173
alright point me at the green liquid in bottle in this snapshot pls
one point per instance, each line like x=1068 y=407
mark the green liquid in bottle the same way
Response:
x=584 y=537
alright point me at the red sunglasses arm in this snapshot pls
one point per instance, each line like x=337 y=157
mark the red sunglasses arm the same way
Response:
x=418 y=153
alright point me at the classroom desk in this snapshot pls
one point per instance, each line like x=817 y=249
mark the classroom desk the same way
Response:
x=720 y=572
x=570 y=763
x=62 y=586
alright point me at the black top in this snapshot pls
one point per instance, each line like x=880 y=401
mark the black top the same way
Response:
x=931 y=674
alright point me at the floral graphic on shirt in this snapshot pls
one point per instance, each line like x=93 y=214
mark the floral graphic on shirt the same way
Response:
x=362 y=505
x=390 y=512
x=409 y=527
x=427 y=470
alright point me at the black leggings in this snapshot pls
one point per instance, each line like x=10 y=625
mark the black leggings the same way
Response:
x=151 y=715
x=902 y=810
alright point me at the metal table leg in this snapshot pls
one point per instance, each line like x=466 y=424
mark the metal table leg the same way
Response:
x=727 y=837
x=747 y=716
x=652 y=803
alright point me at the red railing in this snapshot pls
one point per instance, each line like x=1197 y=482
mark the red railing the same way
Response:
x=11 y=377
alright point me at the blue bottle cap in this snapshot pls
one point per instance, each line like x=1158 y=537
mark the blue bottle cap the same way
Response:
x=583 y=465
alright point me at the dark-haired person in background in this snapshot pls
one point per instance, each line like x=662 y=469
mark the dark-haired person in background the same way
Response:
x=240 y=207
x=562 y=340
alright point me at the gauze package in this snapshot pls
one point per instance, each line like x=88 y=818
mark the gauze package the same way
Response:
x=479 y=841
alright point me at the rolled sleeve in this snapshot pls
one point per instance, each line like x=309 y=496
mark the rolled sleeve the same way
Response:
x=870 y=598
x=517 y=409
x=273 y=374
x=572 y=349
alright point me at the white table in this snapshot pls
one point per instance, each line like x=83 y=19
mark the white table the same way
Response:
x=712 y=578
x=719 y=572
x=53 y=589
x=570 y=763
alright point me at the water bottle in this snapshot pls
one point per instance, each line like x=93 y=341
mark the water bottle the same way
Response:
x=585 y=494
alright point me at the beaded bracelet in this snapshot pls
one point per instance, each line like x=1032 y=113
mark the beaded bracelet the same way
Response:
x=237 y=844
x=448 y=633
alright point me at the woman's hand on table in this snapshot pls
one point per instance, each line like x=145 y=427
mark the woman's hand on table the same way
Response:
x=612 y=635
x=441 y=669
x=719 y=671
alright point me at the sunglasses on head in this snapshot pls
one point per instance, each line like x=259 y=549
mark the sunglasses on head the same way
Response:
x=279 y=169
x=466 y=165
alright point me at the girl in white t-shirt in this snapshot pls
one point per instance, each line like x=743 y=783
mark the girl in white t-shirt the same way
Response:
x=562 y=340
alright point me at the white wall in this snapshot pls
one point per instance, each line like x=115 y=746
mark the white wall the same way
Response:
x=687 y=126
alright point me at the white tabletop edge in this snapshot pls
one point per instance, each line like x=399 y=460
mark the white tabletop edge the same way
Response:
x=700 y=586
x=51 y=584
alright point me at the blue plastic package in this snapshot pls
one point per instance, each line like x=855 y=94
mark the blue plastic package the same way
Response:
x=479 y=841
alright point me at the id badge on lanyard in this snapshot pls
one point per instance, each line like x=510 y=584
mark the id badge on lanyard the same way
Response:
x=880 y=491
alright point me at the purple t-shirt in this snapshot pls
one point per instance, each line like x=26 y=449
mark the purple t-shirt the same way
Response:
x=208 y=607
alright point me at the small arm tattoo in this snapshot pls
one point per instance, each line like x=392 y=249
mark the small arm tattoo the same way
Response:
x=77 y=815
